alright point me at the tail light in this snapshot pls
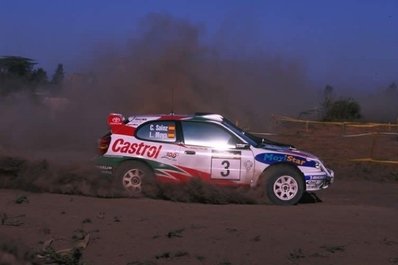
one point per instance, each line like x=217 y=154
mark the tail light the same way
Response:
x=103 y=144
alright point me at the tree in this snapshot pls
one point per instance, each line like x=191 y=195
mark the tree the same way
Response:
x=58 y=76
x=327 y=99
x=339 y=110
x=328 y=93
x=343 y=110
x=15 y=66
x=15 y=74
x=39 y=77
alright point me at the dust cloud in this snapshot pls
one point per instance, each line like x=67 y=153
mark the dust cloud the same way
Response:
x=164 y=67
x=167 y=67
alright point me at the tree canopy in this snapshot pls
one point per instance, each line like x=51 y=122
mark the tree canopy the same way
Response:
x=19 y=74
x=58 y=76
x=339 y=110
x=16 y=66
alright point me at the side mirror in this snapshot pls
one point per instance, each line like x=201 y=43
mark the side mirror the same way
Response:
x=242 y=146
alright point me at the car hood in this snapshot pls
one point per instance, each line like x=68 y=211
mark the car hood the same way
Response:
x=289 y=150
x=271 y=154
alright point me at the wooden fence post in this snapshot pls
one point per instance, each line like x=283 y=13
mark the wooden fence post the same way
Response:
x=373 y=145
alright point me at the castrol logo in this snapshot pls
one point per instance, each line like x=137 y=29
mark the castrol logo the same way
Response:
x=134 y=148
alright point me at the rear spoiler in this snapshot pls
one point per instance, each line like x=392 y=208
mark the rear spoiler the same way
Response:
x=115 y=119
x=117 y=124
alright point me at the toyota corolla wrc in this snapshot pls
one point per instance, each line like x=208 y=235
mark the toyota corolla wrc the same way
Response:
x=179 y=148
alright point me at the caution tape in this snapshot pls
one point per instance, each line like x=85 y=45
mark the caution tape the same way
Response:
x=369 y=133
x=374 y=161
x=289 y=119
x=350 y=124
x=344 y=135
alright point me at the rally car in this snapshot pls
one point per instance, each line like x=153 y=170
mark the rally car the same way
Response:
x=178 y=148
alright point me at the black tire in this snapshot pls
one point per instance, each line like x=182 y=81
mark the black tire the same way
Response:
x=284 y=184
x=132 y=178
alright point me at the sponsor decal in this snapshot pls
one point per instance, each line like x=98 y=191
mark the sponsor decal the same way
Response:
x=272 y=158
x=139 y=149
x=139 y=119
x=170 y=155
x=103 y=167
x=314 y=182
x=248 y=165
x=115 y=119
x=318 y=177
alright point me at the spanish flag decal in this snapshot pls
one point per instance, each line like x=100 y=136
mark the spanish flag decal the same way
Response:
x=171 y=131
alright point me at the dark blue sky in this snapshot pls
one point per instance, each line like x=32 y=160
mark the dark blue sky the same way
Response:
x=347 y=43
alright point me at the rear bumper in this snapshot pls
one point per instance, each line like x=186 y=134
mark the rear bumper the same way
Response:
x=106 y=165
x=106 y=170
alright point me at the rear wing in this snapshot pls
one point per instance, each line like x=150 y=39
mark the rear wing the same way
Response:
x=117 y=124
x=115 y=119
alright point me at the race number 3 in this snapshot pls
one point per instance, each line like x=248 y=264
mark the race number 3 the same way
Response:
x=226 y=165
x=222 y=168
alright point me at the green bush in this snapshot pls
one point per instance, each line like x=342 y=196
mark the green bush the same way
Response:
x=342 y=110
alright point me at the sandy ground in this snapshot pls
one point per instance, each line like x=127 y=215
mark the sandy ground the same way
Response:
x=356 y=223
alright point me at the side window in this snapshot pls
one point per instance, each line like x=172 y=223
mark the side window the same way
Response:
x=208 y=134
x=164 y=131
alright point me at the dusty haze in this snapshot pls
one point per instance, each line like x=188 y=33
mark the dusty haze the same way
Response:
x=164 y=67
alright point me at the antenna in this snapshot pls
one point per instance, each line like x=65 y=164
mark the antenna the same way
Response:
x=172 y=100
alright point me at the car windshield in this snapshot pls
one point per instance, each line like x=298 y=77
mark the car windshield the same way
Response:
x=250 y=138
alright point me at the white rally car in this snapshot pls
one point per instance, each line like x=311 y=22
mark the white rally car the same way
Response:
x=178 y=148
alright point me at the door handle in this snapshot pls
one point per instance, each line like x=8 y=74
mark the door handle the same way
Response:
x=190 y=152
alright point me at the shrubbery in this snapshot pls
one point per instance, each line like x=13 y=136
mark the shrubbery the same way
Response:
x=342 y=110
x=339 y=110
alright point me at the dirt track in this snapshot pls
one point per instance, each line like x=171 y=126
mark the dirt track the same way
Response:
x=355 y=224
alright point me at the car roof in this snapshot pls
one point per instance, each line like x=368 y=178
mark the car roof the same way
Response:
x=137 y=120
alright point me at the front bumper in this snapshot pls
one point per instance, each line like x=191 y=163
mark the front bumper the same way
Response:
x=319 y=181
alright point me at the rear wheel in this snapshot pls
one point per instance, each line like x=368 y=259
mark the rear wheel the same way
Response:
x=133 y=177
x=284 y=185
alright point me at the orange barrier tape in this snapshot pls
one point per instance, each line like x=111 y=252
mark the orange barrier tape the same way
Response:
x=367 y=134
x=351 y=124
x=374 y=161
x=345 y=135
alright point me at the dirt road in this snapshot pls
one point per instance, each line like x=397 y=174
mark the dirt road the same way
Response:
x=356 y=223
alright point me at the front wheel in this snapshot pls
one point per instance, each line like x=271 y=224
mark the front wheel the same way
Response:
x=284 y=185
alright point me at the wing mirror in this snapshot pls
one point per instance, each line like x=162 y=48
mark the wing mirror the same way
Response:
x=242 y=146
